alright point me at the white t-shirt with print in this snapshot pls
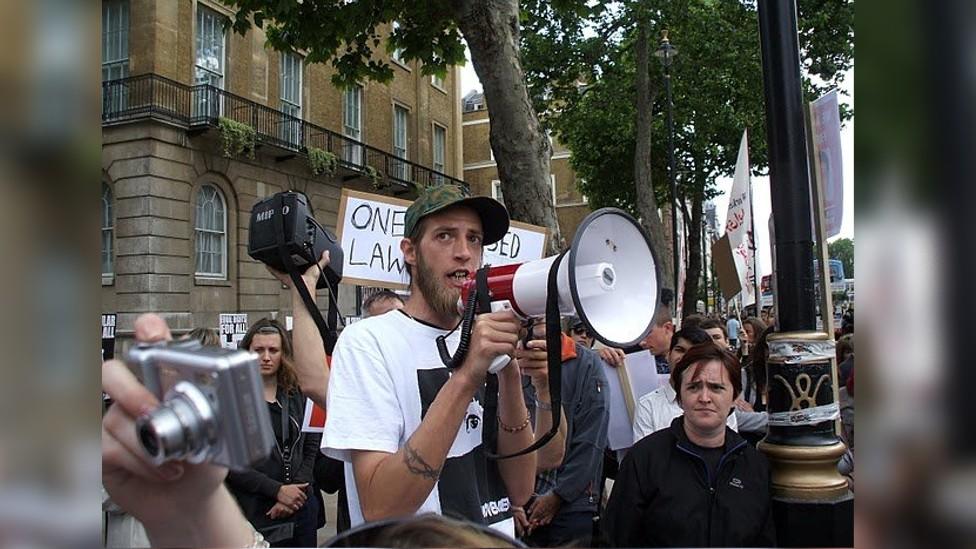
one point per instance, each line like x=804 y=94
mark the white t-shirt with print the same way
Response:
x=386 y=371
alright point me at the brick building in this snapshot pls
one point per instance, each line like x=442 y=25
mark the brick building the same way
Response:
x=481 y=173
x=175 y=209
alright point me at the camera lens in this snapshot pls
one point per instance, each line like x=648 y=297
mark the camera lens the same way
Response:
x=183 y=427
x=148 y=438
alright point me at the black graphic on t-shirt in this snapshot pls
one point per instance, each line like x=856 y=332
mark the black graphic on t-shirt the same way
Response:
x=470 y=486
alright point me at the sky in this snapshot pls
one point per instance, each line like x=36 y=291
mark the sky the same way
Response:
x=760 y=185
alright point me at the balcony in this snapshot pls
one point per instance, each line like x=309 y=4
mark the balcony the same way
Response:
x=198 y=108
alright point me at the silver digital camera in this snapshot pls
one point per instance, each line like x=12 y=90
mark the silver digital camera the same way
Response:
x=212 y=405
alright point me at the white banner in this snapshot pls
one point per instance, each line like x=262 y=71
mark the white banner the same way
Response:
x=371 y=227
x=828 y=159
x=738 y=224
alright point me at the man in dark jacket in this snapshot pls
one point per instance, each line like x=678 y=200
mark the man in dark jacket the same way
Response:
x=698 y=483
x=568 y=497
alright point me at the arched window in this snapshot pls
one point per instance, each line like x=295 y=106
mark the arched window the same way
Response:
x=108 y=230
x=211 y=233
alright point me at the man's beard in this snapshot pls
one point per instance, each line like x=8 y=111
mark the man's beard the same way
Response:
x=442 y=301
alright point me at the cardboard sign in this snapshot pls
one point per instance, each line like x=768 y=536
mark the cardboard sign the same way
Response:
x=371 y=227
x=725 y=268
x=108 y=336
x=233 y=327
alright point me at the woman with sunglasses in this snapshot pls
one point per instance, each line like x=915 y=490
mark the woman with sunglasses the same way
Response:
x=277 y=495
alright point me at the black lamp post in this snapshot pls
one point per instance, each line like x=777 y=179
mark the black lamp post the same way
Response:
x=812 y=505
x=666 y=52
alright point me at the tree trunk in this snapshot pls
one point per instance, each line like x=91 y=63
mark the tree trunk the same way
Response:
x=522 y=150
x=693 y=274
x=646 y=203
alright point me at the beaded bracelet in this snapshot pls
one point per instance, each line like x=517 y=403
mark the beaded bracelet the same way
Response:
x=511 y=429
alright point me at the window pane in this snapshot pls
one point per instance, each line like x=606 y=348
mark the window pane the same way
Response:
x=115 y=37
x=440 y=137
x=352 y=124
x=210 y=47
x=210 y=232
x=107 y=251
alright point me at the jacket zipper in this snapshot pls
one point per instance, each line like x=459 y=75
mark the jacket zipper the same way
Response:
x=710 y=485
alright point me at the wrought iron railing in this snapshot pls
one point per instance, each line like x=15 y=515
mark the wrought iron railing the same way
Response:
x=202 y=105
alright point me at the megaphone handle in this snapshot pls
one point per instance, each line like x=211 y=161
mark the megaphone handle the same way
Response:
x=499 y=364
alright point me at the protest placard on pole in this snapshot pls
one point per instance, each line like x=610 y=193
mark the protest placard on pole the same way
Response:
x=626 y=385
x=233 y=327
x=370 y=229
x=828 y=160
x=738 y=225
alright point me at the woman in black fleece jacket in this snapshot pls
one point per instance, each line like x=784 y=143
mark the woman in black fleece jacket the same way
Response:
x=698 y=483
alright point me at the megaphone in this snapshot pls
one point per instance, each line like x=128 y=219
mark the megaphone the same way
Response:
x=610 y=279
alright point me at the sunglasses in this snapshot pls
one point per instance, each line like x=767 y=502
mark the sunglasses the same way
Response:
x=582 y=332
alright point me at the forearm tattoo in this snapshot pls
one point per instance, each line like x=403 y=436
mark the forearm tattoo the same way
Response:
x=417 y=465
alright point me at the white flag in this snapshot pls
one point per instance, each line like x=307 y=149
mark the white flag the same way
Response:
x=738 y=224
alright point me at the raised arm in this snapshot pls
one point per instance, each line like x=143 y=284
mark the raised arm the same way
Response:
x=514 y=434
x=308 y=347
x=533 y=363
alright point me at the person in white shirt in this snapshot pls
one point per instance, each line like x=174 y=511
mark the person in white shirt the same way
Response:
x=408 y=429
x=657 y=409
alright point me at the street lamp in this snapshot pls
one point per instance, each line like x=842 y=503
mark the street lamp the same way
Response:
x=666 y=52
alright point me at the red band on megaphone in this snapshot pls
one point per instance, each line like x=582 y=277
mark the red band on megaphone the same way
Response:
x=500 y=287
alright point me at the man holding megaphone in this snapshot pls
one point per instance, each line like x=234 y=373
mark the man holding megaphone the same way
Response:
x=409 y=429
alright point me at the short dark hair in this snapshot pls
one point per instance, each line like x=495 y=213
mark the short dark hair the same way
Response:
x=381 y=295
x=692 y=321
x=697 y=357
x=693 y=335
x=662 y=315
x=712 y=323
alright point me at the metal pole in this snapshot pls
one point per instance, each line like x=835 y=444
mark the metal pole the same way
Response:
x=674 y=189
x=812 y=505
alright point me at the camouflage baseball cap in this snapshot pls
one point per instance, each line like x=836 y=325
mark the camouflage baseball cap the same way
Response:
x=494 y=216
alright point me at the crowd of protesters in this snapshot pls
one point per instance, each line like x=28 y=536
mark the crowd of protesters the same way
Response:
x=407 y=438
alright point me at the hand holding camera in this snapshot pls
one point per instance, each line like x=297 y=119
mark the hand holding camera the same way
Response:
x=191 y=495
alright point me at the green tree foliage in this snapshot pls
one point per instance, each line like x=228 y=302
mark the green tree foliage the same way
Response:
x=843 y=249
x=356 y=38
x=350 y=34
x=581 y=69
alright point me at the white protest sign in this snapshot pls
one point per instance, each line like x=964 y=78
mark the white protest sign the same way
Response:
x=371 y=227
x=828 y=159
x=232 y=329
x=628 y=383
